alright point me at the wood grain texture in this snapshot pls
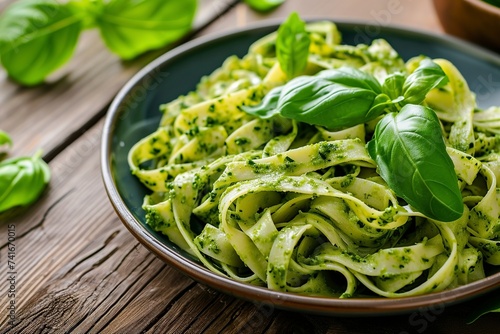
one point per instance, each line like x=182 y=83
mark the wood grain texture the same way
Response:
x=415 y=14
x=81 y=271
x=78 y=94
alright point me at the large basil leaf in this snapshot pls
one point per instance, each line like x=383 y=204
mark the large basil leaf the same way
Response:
x=427 y=76
x=351 y=77
x=131 y=27
x=292 y=45
x=37 y=37
x=411 y=156
x=335 y=99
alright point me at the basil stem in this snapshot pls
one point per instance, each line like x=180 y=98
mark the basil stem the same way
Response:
x=268 y=106
x=411 y=156
x=292 y=46
x=22 y=181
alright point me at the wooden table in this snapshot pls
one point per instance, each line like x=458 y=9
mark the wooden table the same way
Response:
x=79 y=270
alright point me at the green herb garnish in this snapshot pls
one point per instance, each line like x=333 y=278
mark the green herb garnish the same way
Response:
x=411 y=156
x=292 y=46
x=39 y=36
x=22 y=181
x=407 y=144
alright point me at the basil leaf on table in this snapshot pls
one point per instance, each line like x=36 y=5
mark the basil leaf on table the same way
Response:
x=335 y=99
x=426 y=77
x=491 y=304
x=292 y=46
x=5 y=138
x=263 y=5
x=411 y=156
x=131 y=27
x=36 y=38
x=22 y=181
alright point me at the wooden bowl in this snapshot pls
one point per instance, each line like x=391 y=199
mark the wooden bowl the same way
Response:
x=474 y=20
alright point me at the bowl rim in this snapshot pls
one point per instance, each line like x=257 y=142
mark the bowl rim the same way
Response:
x=261 y=295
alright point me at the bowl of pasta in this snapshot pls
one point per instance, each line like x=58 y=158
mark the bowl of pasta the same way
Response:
x=355 y=175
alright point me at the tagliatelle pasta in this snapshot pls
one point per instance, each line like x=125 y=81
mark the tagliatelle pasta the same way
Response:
x=299 y=208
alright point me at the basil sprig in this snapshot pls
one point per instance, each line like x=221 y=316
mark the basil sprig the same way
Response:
x=292 y=46
x=39 y=36
x=411 y=157
x=344 y=97
x=22 y=181
x=407 y=144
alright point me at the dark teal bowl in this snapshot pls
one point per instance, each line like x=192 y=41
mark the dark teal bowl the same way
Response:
x=134 y=113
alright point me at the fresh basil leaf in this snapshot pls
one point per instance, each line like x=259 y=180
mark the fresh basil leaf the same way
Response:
x=351 y=77
x=263 y=5
x=22 y=181
x=335 y=99
x=36 y=38
x=131 y=27
x=5 y=138
x=427 y=76
x=393 y=85
x=292 y=45
x=321 y=102
x=411 y=155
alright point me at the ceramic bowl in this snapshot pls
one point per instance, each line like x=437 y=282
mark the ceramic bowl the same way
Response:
x=134 y=114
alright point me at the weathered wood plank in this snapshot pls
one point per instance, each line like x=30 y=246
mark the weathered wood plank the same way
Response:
x=79 y=263
x=50 y=115
x=407 y=13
